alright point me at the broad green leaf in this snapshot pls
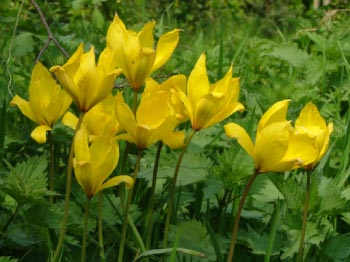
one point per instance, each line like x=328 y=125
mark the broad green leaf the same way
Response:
x=289 y=53
x=23 y=44
x=337 y=248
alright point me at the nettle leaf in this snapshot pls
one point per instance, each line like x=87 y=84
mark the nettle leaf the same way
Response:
x=44 y=215
x=193 y=235
x=289 y=53
x=337 y=248
x=330 y=197
x=27 y=181
x=258 y=241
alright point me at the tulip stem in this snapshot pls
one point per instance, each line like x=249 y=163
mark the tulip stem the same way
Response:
x=100 y=226
x=67 y=196
x=238 y=215
x=149 y=223
x=126 y=210
x=85 y=230
x=306 y=208
x=173 y=187
x=52 y=165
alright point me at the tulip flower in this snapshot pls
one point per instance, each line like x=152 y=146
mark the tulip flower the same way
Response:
x=135 y=52
x=277 y=147
x=208 y=104
x=155 y=120
x=311 y=122
x=86 y=82
x=47 y=102
x=95 y=162
x=99 y=120
x=173 y=85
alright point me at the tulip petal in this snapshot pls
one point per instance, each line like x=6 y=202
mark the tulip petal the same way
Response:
x=237 y=132
x=276 y=113
x=198 y=82
x=175 y=140
x=165 y=48
x=24 y=106
x=146 y=35
x=271 y=146
x=125 y=116
x=117 y=180
x=70 y=120
x=39 y=133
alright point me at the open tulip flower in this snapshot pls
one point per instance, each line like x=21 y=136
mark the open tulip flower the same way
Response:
x=86 y=82
x=99 y=120
x=93 y=163
x=135 y=51
x=173 y=85
x=155 y=120
x=311 y=122
x=47 y=102
x=208 y=104
x=277 y=147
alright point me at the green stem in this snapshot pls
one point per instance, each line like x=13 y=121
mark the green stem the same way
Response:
x=172 y=189
x=126 y=210
x=306 y=208
x=85 y=230
x=100 y=226
x=67 y=196
x=238 y=215
x=149 y=220
x=52 y=164
x=273 y=231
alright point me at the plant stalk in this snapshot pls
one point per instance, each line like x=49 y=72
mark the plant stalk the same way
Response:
x=85 y=230
x=126 y=210
x=100 y=226
x=149 y=222
x=67 y=196
x=238 y=216
x=306 y=208
x=52 y=165
x=172 y=189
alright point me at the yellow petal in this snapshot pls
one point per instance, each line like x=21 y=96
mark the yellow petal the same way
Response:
x=146 y=35
x=310 y=117
x=198 y=82
x=117 y=180
x=39 y=133
x=302 y=149
x=276 y=113
x=69 y=119
x=25 y=108
x=271 y=146
x=237 y=132
x=125 y=116
x=165 y=48
x=81 y=147
x=175 y=140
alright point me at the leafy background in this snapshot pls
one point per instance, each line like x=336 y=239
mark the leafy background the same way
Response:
x=280 y=49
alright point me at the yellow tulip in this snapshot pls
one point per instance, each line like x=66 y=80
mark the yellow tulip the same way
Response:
x=208 y=104
x=86 y=82
x=311 y=122
x=173 y=85
x=99 y=120
x=135 y=51
x=277 y=147
x=47 y=102
x=155 y=120
x=93 y=163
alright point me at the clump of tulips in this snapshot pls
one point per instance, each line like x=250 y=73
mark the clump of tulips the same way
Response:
x=157 y=111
